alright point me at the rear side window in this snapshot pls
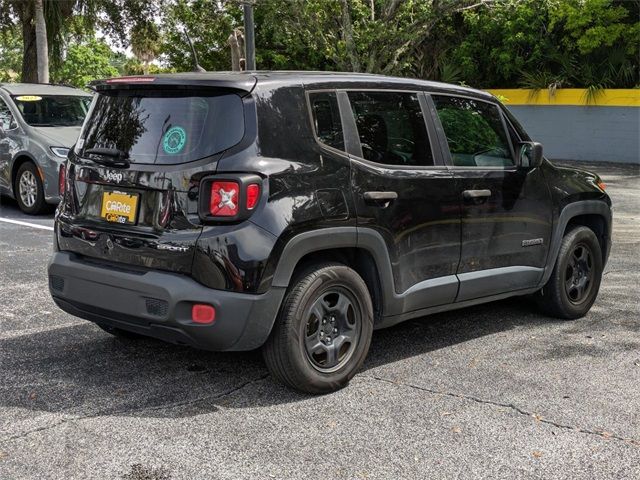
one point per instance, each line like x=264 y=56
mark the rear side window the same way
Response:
x=475 y=132
x=391 y=128
x=163 y=127
x=326 y=119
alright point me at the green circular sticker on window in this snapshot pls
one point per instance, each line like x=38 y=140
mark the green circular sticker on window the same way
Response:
x=173 y=140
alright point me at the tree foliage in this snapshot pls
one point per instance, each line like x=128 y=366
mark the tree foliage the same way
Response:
x=84 y=62
x=10 y=54
x=383 y=36
x=490 y=43
x=483 y=43
x=66 y=19
x=145 y=42
x=557 y=43
x=208 y=23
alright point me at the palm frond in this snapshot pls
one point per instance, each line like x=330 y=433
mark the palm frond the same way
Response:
x=544 y=80
x=450 y=73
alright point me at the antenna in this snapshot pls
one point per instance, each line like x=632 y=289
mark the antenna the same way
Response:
x=196 y=65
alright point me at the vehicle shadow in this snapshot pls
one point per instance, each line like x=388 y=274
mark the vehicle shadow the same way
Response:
x=9 y=209
x=81 y=371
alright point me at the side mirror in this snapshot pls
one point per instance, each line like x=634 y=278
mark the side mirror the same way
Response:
x=530 y=154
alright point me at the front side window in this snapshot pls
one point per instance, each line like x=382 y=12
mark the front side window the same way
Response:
x=326 y=119
x=163 y=127
x=52 y=110
x=7 y=122
x=475 y=132
x=391 y=128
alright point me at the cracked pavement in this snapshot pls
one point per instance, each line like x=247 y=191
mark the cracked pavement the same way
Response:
x=493 y=391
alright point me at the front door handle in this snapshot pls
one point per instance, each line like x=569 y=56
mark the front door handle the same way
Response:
x=476 y=194
x=380 y=199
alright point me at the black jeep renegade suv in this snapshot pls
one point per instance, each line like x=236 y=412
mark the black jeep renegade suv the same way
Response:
x=298 y=212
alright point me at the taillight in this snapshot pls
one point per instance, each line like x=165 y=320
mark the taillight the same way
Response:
x=225 y=198
x=62 y=179
x=229 y=199
x=252 y=195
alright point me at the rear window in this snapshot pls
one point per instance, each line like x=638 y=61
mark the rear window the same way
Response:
x=163 y=127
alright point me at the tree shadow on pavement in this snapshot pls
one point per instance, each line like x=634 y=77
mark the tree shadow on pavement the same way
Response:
x=81 y=371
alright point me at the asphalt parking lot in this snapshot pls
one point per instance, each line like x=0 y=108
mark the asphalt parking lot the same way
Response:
x=494 y=391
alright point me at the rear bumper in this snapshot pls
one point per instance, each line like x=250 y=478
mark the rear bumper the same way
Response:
x=158 y=304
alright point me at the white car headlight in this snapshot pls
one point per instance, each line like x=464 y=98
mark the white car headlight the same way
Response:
x=60 y=151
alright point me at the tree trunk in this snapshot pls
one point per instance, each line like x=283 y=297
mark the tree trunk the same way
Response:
x=42 y=47
x=29 y=58
x=347 y=36
x=236 y=42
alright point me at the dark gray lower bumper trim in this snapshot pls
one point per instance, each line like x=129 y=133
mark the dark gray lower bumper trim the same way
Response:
x=158 y=304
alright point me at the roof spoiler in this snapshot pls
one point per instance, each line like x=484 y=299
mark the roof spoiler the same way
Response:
x=242 y=82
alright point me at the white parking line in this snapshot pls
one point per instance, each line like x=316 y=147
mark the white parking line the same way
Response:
x=26 y=224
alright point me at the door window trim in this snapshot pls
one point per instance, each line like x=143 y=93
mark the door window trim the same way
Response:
x=444 y=144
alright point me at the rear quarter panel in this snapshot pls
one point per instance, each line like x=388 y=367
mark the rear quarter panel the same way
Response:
x=299 y=174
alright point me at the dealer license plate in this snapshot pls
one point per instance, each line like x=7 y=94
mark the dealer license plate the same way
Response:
x=119 y=207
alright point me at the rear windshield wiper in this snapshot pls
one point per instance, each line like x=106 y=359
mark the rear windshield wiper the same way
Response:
x=111 y=157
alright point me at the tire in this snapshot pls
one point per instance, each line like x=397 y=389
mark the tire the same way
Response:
x=118 y=332
x=28 y=190
x=575 y=280
x=323 y=331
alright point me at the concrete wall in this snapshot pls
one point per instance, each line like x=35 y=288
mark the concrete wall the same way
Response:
x=594 y=133
x=573 y=125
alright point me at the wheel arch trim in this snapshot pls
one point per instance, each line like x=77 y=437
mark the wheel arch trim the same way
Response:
x=573 y=210
x=310 y=242
x=16 y=161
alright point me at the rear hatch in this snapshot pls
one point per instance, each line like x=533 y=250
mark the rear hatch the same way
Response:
x=133 y=176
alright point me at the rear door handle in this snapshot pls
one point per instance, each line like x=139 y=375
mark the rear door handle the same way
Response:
x=476 y=194
x=380 y=198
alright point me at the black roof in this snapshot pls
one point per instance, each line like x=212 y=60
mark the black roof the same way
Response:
x=247 y=81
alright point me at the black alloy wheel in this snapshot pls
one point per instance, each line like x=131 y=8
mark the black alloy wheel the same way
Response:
x=579 y=274
x=332 y=330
